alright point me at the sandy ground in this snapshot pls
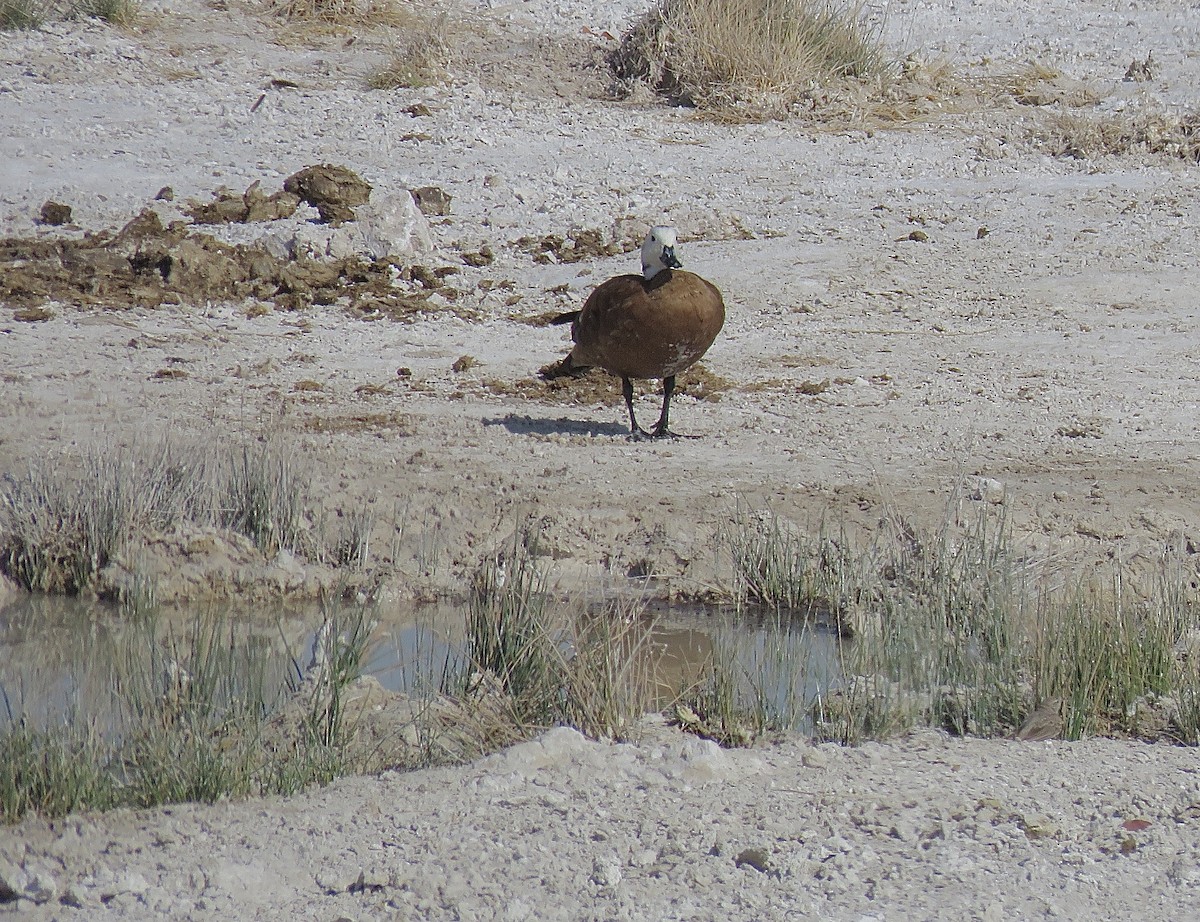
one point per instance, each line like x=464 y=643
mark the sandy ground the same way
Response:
x=1031 y=352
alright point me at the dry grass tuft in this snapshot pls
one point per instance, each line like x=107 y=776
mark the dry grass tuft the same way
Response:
x=336 y=12
x=1069 y=134
x=421 y=59
x=749 y=56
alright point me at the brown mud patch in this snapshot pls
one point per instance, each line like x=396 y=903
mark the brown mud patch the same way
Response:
x=388 y=422
x=148 y=263
x=574 y=247
x=598 y=387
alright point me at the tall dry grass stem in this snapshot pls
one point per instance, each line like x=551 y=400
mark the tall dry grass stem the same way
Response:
x=556 y=662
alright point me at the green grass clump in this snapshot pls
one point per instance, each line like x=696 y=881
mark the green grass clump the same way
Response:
x=209 y=713
x=510 y=635
x=554 y=663
x=954 y=629
x=122 y=13
x=32 y=14
x=21 y=14
x=59 y=527
x=52 y=771
x=763 y=55
x=63 y=521
x=263 y=498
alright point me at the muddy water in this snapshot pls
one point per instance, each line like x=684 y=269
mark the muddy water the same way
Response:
x=65 y=659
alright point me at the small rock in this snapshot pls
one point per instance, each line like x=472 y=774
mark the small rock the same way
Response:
x=389 y=227
x=1045 y=723
x=985 y=489
x=432 y=200
x=643 y=858
x=814 y=757
x=333 y=190
x=606 y=871
x=1037 y=826
x=483 y=257
x=42 y=887
x=13 y=881
x=757 y=858
x=1141 y=71
x=76 y=896
x=55 y=214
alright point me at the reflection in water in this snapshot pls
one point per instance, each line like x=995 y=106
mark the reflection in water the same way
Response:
x=411 y=650
x=62 y=659
x=780 y=662
x=52 y=655
x=68 y=660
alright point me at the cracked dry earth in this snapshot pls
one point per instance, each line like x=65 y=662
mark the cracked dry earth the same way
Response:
x=982 y=305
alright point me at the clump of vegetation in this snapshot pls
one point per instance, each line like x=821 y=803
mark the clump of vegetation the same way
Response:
x=421 y=59
x=122 y=13
x=762 y=55
x=339 y=14
x=189 y=717
x=263 y=498
x=32 y=14
x=554 y=663
x=778 y=568
x=21 y=14
x=1070 y=134
x=59 y=529
x=956 y=630
x=62 y=524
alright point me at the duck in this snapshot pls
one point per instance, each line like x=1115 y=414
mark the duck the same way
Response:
x=653 y=325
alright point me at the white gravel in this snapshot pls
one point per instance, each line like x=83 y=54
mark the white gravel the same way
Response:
x=672 y=828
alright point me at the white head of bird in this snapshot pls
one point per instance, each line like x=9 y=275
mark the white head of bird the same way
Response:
x=658 y=251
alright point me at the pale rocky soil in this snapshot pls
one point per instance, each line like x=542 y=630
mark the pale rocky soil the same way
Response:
x=1046 y=366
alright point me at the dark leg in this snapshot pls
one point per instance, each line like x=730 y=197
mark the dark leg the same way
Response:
x=636 y=432
x=662 y=428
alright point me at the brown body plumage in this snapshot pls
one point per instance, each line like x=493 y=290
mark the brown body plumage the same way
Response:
x=646 y=327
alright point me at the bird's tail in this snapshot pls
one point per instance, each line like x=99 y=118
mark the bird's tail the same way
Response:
x=566 y=368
